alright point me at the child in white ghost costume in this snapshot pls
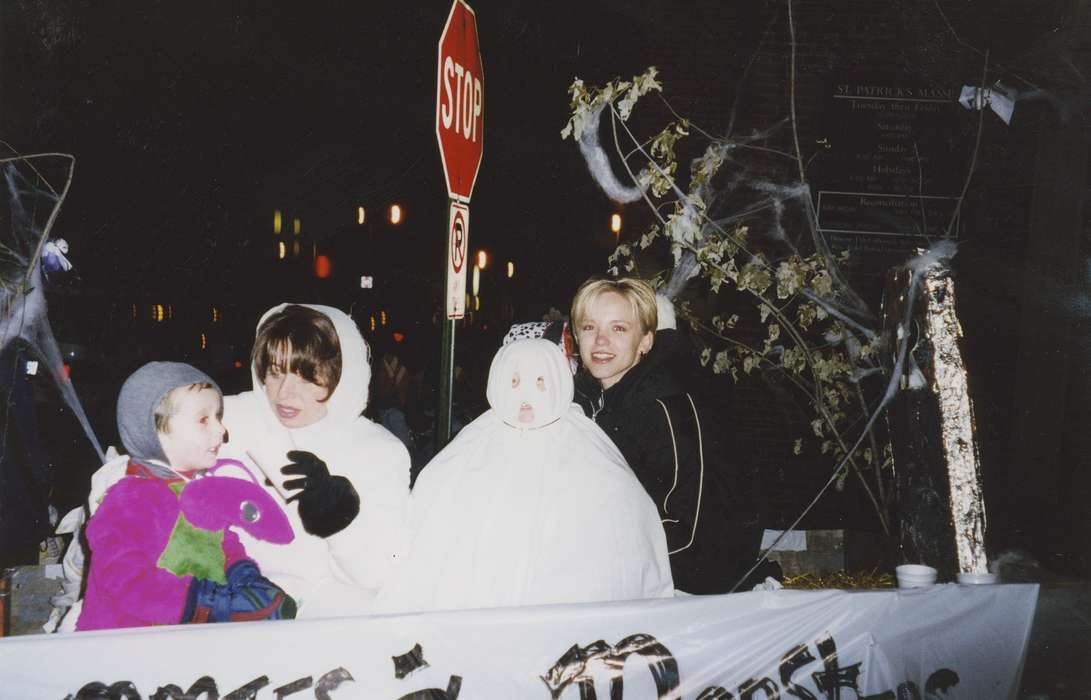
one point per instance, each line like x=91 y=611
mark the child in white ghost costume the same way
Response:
x=530 y=504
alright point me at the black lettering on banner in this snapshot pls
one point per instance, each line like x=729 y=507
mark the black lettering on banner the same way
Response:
x=293 y=687
x=834 y=678
x=408 y=662
x=572 y=668
x=331 y=681
x=454 y=686
x=796 y=658
x=204 y=685
x=752 y=685
x=248 y=691
x=942 y=680
x=908 y=691
x=115 y=691
x=715 y=693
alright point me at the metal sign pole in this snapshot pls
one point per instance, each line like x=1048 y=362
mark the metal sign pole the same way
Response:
x=447 y=352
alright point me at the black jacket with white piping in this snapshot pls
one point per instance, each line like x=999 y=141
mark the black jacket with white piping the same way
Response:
x=678 y=445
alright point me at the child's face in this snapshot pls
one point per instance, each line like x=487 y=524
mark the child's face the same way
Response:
x=195 y=432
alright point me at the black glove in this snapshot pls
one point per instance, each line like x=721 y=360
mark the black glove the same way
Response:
x=327 y=504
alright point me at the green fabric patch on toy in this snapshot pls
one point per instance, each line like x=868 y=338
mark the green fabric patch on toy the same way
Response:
x=191 y=551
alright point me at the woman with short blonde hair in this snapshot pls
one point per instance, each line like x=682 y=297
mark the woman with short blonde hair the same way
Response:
x=630 y=385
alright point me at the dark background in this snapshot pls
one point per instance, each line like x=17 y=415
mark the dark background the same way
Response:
x=193 y=122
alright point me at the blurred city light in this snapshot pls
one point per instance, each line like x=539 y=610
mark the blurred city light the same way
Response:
x=282 y=250
x=361 y=215
x=511 y=269
x=295 y=249
x=276 y=222
x=477 y=303
x=297 y=226
x=482 y=259
x=215 y=315
x=395 y=214
x=373 y=323
x=477 y=280
x=615 y=223
x=398 y=336
x=322 y=266
x=382 y=317
x=204 y=341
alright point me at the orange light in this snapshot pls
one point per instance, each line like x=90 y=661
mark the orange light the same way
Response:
x=395 y=214
x=322 y=267
x=398 y=337
x=615 y=223
x=238 y=364
x=204 y=341
x=67 y=370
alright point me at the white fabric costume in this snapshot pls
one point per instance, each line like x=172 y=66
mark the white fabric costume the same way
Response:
x=338 y=575
x=530 y=504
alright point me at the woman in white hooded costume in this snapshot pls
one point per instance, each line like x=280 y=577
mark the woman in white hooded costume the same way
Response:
x=530 y=504
x=329 y=570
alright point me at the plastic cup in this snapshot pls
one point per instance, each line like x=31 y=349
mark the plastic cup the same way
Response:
x=975 y=578
x=915 y=576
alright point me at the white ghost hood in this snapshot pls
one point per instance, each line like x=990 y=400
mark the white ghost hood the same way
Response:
x=530 y=385
x=350 y=397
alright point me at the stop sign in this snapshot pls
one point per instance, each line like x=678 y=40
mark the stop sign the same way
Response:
x=460 y=98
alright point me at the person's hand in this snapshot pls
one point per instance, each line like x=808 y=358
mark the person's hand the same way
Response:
x=327 y=504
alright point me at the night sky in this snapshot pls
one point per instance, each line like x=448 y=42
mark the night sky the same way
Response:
x=191 y=123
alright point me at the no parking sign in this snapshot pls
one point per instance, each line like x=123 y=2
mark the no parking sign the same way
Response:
x=459 y=237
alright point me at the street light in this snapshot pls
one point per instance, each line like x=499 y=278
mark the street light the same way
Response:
x=615 y=223
x=395 y=214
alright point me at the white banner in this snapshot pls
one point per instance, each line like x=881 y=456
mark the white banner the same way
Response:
x=949 y=641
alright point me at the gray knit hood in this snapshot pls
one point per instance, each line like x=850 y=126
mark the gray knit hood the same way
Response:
x=140 y=395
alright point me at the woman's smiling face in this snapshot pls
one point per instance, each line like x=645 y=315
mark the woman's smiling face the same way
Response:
x=611 y=339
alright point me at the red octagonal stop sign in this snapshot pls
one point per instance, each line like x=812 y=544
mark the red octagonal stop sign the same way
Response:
x=460 y=101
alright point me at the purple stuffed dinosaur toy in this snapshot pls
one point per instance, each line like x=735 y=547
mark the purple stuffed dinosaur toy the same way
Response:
x=152 y=538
